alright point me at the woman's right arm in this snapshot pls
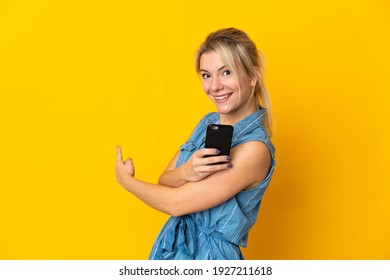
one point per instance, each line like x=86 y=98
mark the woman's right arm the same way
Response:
x=195 y=169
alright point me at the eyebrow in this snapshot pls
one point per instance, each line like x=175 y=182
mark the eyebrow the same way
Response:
x=219 y=69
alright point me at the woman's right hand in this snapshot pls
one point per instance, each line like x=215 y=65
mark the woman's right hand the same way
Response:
x=199 y=167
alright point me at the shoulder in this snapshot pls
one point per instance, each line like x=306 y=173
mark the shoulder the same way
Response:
x=202 y=124
x=254 y=159
x=252 y=150
x=256 y=136
x=210 y=117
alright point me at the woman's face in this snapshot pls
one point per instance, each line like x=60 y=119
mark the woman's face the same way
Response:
x=222 y=86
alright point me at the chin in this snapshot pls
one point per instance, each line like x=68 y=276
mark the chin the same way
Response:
x=224 y=109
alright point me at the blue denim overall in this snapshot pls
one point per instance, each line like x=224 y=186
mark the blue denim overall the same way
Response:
x=216 y=233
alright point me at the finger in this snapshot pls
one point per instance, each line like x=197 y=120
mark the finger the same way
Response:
x=118 y=154
x=214 y=168
x=215 y=159
x=208 y=152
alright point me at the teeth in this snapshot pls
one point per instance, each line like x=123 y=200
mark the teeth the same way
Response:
x=221 y=97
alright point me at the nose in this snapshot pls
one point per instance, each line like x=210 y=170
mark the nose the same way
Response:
x=216 y=84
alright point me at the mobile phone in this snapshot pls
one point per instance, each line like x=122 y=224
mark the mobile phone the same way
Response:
x=219 y=136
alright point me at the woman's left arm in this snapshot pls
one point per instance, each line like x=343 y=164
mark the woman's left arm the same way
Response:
x=251 y=163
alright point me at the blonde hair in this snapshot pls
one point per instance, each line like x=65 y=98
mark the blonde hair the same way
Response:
x=234 y=46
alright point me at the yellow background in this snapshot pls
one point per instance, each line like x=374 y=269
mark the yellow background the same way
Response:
x=79 y=77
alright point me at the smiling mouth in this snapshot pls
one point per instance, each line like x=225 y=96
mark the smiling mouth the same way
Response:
x=222 y=98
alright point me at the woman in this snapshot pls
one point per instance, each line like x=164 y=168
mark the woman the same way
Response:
x=212 y=207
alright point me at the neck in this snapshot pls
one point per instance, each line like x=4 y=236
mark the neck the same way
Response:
x=232 y=118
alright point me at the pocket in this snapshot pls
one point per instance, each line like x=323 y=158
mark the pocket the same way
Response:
x=188 y=146
x=186 y=151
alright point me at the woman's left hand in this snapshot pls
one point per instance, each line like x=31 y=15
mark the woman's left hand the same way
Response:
x=123 y=168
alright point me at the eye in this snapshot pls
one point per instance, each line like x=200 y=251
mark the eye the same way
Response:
x=226 y=72
x=205 y=75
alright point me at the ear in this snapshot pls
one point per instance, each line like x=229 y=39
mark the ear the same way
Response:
x=255 y=77
x=253 y=81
